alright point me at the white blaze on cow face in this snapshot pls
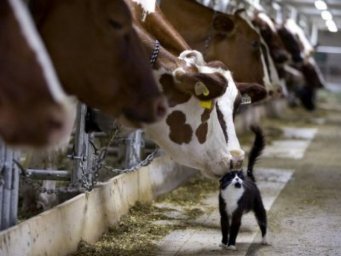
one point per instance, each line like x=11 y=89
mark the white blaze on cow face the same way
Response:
x=271 y=80
x=147 y=5
x=212 y=156
x=33 y=39
x=292 y=26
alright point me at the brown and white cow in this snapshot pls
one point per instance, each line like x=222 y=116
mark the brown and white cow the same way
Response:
x=219 y=36
x=270 y=35
x=99 y=57
x=34 y=110
x=301 y=50
x=198 y=129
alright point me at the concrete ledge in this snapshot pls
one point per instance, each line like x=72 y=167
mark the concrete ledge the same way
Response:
x=85 y=217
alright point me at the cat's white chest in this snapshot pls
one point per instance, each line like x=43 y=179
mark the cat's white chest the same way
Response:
x=231 y=196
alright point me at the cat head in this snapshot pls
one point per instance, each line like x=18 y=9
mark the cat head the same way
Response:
x=234 y=178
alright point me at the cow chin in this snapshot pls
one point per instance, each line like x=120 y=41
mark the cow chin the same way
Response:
x=218 y=169
x=60 y=138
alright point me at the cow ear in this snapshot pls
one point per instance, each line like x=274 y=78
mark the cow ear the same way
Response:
x=222 y=24
x=255 y=91
x=204 y=86
x=215 y=83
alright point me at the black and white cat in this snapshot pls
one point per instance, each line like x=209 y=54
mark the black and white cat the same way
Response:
x=239 y=195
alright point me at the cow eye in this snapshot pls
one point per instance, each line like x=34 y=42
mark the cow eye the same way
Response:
x=115 y=24
x=255 y=44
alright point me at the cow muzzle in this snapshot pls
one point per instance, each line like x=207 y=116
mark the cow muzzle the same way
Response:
x=237 y=158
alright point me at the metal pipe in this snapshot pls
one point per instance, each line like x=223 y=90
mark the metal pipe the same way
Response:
x=133 y=150
x=48 y=174
x=6 y=204
x=2 y=181
x=15 y=191
x=80 y=138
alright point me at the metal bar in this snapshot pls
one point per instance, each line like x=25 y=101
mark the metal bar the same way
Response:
x=80 y=138
x=48 y=174
x=89 y=152
x=314 y=34
x=15 y=191
x=6 y=204
x=2 y=181
x=133 y=150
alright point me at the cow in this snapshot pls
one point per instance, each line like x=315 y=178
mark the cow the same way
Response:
x=34 y=110
x=301 y=50
x=99 y=57
x=268 y=30
x=230 y=38
x=198 y=129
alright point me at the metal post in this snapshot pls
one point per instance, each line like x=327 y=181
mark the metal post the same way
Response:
x=2 y=180
x=278 y=13
x=293 y=14
x=89 y=156
x=133 y=150
x=80 y=147
x=6 y=203
x=314 y=34
x=15 y=191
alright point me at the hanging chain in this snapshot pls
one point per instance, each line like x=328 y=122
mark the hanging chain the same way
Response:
x=89 y=178
x=145 y=162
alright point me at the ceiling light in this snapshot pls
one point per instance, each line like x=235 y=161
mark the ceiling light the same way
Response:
x=320 y=5
x=326 y=15
x=331 y=26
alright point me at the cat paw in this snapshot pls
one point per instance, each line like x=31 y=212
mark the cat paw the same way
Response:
x=232 y=247
x=228 y=247
x=264 y=241
x=224 y=246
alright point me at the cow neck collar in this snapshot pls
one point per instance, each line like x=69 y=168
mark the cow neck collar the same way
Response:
x=155 y=53
x=209 y=35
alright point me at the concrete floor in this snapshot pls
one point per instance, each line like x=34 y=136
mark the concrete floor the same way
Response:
x=304 y=169
x=299 y=176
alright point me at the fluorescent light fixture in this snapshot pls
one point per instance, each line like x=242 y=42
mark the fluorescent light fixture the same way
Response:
x=320 y=5
x=326 y=15
x=331 y=26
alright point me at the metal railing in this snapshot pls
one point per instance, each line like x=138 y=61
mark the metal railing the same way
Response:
x=87 y=160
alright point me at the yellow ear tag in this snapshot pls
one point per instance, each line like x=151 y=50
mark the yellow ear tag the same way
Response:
x=207 y=104
x=201 y=88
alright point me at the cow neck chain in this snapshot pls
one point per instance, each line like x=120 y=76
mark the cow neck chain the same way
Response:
x=155 y=53
x=210 y=35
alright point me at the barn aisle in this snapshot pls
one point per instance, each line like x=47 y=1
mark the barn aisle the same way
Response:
x=305 y=219
x=298 y=175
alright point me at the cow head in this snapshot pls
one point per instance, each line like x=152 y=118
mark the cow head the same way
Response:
x=238 y=45
x=228 y=38
x=99 y=57
x=198 y=129
x=291 y=43
x=270 y=35
x=34 y=111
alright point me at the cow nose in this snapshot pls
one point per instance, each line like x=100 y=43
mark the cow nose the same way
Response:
x=237 y=158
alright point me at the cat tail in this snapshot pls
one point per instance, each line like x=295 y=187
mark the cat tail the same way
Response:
x=256 y=150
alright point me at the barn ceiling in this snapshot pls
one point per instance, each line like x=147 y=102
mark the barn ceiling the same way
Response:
x=308 y=10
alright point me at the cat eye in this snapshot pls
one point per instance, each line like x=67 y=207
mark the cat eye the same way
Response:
x=240 y=174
